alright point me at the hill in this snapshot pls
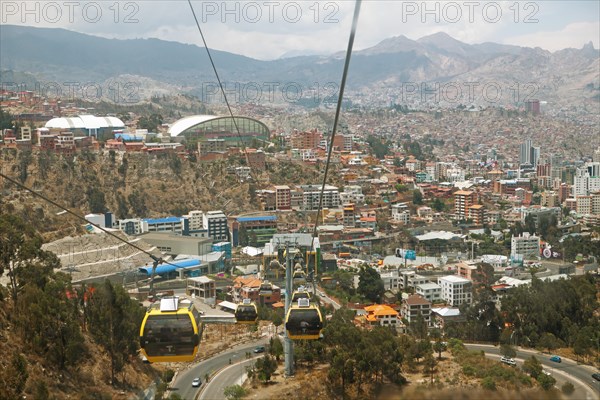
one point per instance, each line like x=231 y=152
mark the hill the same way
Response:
x=159 y=66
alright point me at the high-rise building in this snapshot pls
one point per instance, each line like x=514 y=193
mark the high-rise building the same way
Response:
x=533 y=106
x=587 y=179
x=525 y=152
x=528 y=154
x=216 y=224
x=463 y=199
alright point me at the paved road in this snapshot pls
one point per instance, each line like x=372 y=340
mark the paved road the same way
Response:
x=327 y=299
x=232 y=375
x=182 y=384
x=568 y=370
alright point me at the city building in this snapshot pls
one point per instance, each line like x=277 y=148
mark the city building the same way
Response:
x=416 y=305
x=202 y=128
x=86 y=125
x=306 y=140
x=176 y=225
x=401 y=213
x=383 y=315
x=432 y=292
x=587 y=179
x=312 y=193
x=216 y=224
x=254 y=231
x=463 y=200
x=525 y=246
x=456 y=290
x=283 y=197
x=173 y=244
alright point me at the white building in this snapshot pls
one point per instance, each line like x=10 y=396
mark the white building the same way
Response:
x=587 y=179
x=524 y=246
x=312 y=193
x=455 y=290
x=195 y=217
x=133 y=226
x=401 y=213
x=430 y=291
x=390 y=279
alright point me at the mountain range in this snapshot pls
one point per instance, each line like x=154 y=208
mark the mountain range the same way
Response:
x=388 y=70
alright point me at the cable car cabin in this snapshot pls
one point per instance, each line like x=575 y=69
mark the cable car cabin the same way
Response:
x=171 y=331
x=300 y=294
x=246 y=313
x=266 y=289
x=304 y=321
x=299 y=278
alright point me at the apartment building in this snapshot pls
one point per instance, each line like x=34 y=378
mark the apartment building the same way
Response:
x=312 y=193
x=283 y=197
x=525 y=246
x=216 y=224
x=414 y=306
x=401 y=213
x=463 y=199
x=456 y=290
x=432 y=292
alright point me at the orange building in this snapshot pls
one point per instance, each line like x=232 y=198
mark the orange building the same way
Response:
x=463 y=199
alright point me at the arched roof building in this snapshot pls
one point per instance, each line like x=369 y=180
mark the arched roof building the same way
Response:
x=89 y=125
x=200 y=128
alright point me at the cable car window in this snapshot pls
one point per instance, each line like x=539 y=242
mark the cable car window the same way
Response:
x=166 y=335
x=305 y=321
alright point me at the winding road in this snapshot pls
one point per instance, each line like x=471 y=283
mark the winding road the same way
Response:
x=579 y=375
x=182 y=385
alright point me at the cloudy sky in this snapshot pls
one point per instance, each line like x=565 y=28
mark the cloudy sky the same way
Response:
x=269 y=29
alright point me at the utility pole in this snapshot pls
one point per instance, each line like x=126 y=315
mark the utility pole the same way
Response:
x=288 y=345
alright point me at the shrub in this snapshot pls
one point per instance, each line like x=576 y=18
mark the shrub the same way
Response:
x=567 y=388
x=488 y=383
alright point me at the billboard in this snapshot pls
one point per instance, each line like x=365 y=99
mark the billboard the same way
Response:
x=406 y=254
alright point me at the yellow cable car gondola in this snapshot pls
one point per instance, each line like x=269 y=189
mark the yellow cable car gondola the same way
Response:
x=299 y=278
x=246 y=313
x=266 y=289
x=171 y=331
x=304 y=321
x=300 y=294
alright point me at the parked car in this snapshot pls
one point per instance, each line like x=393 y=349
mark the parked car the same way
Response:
x=508 y=361
x=596 y=376
x=196 y=382
x=259 y=349
x=556 y=359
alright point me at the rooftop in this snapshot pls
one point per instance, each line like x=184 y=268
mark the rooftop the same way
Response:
x=454 y=279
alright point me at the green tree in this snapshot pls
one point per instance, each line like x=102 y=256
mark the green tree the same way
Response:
x=429 y=364
x=114 y=321
x=547 y=382
x=370 y=284
x=439 y=346
x=235 y=392
x=533 y=367
x=22 y=256
x=275 y=348
x=508 y=351
x=265 y=367
x=417 y=197
x=438 y=205
x=96 y=200
x=151 y=122
x=14 y=377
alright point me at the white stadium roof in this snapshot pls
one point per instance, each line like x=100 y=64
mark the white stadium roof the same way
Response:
x=187 y=122
x=84 y=122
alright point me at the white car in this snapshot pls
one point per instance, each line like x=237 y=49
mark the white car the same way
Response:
x=196 y=382
x=508 y=361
